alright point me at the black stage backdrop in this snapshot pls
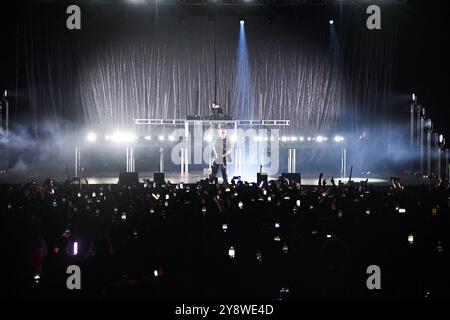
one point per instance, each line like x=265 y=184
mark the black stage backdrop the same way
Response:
x=133 y=61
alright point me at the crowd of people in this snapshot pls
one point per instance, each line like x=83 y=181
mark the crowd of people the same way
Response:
x=225 y=241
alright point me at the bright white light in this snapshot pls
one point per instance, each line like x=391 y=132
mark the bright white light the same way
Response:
x=441 y=138
x=302 y=139
x=148 y=138
x=338 y=139
x=414 y=97
x=331 y=22
x=319 y=139
x=171 y=138
x=284 y=138
x=155 y=273
x=309 y=139
x=121 y=137
x=91 y=137
x=224 y=227
x=233 y=138
x=161 y=138
x=75 y=248
x=294 y=138
x=242 y=22
x=411 y=239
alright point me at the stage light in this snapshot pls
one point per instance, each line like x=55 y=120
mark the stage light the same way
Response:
x=414 y=97
x=155 y=273
x=411 y=239
x=121 y=137
x=294 y=138
x=338 y=139
x=233 y=138
x=441 y=139
x=5 y=94
x=331 y=22
x=319 y=139
x=91 y=137
x=242 y=22
x=284 y=138
x=148 y=138
x=309 y=138
x=302 y=139
x=161 y=138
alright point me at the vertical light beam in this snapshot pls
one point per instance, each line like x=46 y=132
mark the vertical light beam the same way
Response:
x=243 y=104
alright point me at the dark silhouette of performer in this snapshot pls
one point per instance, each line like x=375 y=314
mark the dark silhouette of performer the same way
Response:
x=221 y=149
x=217 y=110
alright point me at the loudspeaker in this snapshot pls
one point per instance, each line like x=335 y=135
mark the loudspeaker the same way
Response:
x=261 y=179
x=158 y=178
x=293 y=177
x=128 y=178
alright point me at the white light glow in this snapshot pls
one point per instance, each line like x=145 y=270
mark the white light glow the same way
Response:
x=122 y=137
x=231 y=252
x=75 y=248
x=91 y=137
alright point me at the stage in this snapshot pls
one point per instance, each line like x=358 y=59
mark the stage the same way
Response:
x=309 y=179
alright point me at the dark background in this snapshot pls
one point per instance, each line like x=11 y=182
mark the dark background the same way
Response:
x=370 y=75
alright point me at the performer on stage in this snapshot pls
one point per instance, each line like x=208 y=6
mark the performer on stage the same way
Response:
x=222 y=149
x=216 y=110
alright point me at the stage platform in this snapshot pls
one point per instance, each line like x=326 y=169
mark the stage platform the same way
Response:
x=309 y=179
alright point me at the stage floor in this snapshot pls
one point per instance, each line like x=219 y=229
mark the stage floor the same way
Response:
x=174 y=177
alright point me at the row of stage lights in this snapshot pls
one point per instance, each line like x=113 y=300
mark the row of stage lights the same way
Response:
x=125 y=137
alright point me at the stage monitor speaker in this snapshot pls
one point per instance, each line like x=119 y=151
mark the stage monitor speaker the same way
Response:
x=128 y=178
x=262 y=179
x=158 y=178
x=293 y=177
